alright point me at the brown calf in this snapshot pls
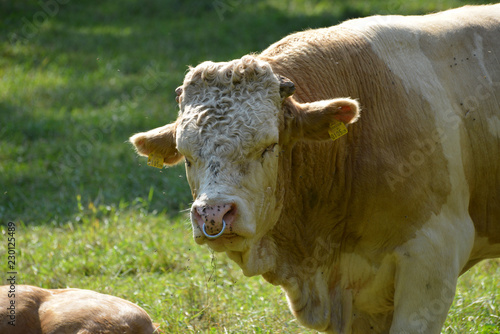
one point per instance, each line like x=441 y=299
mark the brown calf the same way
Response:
x=33 y=310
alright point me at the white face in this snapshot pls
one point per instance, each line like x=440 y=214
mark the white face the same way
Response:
x=229 y=136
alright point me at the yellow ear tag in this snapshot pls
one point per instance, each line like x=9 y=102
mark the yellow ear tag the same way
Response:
x=155 y=160
x=337 y=129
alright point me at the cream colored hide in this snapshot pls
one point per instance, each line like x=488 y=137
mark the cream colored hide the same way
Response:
x=69 y=311
x=367 y=233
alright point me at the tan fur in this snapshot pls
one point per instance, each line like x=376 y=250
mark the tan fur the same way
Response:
x=365 y=232
x=70 y=311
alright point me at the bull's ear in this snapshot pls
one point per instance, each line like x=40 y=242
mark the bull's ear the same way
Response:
x=313 y=120
x=159 y=141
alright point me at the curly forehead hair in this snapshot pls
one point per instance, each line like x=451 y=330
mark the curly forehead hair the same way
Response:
x=230 y=74
x=230 y=101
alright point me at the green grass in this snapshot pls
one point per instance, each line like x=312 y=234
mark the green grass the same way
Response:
x=153 y=261
x=76 y=81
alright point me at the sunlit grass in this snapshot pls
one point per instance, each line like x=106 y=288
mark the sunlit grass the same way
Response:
x=477 y=301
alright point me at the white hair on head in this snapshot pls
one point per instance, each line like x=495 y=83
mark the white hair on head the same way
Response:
x=243 y=71
x=230 y=102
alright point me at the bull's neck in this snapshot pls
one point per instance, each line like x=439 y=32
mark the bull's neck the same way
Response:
x=312 y=224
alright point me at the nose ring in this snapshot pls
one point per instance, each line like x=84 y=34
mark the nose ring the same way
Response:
x=210 y=236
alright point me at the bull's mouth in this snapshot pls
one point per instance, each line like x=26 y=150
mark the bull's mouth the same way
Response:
x=226 y=241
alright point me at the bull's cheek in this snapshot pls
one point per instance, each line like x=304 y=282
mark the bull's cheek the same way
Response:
x=268 y=213
x=261 y=218
x=260 y=207
x=267 y=206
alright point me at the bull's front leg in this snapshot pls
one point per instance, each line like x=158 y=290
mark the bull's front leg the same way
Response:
x=427 y=271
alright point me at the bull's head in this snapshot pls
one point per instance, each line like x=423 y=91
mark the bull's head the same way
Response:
x=236 y=126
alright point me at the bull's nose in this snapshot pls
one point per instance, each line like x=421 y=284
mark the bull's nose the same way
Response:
x=213 y=220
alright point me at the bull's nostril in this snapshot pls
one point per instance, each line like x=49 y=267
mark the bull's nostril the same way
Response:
x=196 y=214
x=230 y=215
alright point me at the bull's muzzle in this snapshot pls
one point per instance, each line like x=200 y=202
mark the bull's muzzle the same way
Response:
x=213 y=219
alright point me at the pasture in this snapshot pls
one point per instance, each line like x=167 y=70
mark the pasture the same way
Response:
x=77 y=78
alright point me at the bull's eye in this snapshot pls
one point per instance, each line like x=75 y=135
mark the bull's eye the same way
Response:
x=269 y=149
x=188 y=163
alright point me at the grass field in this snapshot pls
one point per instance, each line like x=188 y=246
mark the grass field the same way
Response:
x=77 y=78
